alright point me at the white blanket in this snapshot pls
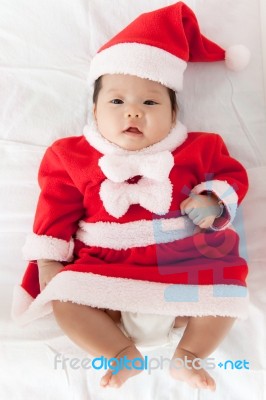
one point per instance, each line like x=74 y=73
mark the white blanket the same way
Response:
x=45 y=51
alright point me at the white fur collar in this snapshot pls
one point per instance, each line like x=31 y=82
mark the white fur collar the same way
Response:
x=175 y=138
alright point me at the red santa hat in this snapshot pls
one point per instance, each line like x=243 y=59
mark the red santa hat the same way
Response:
x=157 y=46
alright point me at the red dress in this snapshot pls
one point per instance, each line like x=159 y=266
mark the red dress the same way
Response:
x=113 y=218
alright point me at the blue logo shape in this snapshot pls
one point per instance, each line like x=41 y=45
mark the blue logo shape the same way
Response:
x=181 y=293
x=222 y=286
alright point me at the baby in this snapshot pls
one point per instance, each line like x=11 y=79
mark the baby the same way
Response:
x=101 y=192
x=135 y=113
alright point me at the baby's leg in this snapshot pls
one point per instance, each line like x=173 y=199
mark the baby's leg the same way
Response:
x=180 y=322
x=201 y=337
x=115 y=315
x=96 y=332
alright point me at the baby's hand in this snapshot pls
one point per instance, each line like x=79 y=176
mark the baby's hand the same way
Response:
x=47 y=270
x=201 y=209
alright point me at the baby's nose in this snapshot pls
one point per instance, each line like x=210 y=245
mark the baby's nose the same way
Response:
x=133 y=114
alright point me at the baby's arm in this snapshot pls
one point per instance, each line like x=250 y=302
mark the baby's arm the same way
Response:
x=59 y=210
x=202 y=209
x=47 y=270
x=218 y=175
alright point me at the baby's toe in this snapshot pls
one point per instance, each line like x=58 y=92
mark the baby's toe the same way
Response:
x=115 y=381
x=198 y=381
x=203 y=381
x=106 y=379
x=211 y=384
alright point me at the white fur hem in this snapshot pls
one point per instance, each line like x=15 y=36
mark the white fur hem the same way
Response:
x=142 y=60
x=39 y=247
x=135 y=234
x=135 y=296
x=226 y=194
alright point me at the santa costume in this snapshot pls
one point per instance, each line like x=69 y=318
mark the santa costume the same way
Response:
x=112 y=216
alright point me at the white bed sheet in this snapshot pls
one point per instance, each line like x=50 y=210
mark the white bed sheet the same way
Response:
x=45 y=50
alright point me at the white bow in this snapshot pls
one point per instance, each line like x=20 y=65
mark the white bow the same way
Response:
x=152 y=195
x=119 y=168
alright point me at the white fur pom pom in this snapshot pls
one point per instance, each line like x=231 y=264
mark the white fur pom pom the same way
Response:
x=237 y=57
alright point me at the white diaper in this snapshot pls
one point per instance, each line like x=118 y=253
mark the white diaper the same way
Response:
x=147 y=329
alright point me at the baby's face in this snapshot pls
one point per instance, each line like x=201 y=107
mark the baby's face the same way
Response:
x=132 y=112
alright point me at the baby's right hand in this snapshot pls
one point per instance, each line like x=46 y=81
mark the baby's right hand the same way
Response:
x=47 y=270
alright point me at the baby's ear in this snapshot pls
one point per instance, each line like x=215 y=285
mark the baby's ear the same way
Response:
x=174 y=117
x=94 y=111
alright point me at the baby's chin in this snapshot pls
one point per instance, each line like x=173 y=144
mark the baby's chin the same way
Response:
x=133 y=144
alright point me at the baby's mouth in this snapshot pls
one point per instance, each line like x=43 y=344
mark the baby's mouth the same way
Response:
x=133 y=130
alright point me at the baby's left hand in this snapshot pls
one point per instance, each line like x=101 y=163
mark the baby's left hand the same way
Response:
x=201 y=209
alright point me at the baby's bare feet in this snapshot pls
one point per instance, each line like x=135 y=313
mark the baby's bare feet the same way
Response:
x=184 y=371
x=117 y=380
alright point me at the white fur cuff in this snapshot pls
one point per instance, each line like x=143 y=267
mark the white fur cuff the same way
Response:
x=39 y=247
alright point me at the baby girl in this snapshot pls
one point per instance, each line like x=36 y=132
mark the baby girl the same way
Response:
x=137 y=207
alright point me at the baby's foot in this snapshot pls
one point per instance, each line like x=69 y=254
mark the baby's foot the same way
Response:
x=196 y=378
x=117 y=380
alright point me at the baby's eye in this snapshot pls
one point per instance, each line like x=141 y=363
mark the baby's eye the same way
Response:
x=150 y=102
x=116 y=101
